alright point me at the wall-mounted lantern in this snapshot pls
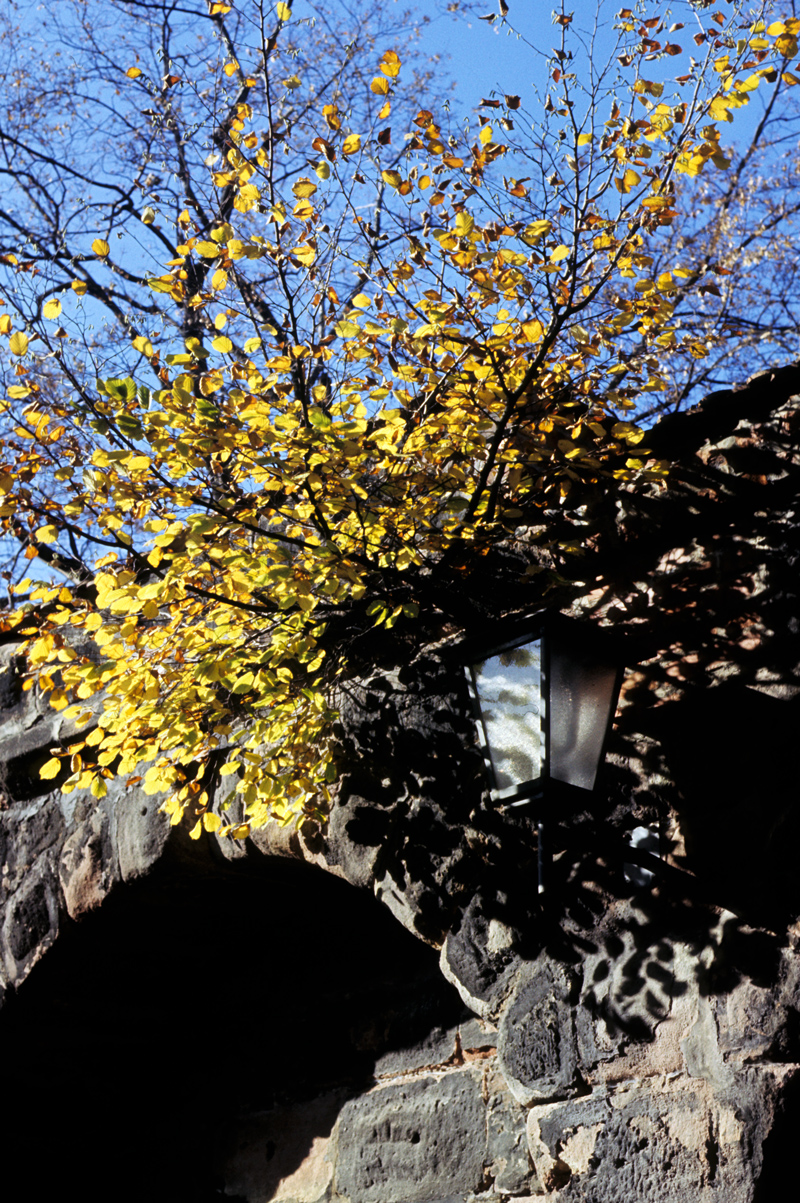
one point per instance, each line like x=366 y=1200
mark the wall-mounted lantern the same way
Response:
x=544 y=701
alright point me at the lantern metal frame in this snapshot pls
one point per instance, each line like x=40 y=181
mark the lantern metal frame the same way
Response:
x=580 y=676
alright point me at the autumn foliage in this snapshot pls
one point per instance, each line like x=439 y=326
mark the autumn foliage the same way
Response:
x=403 y=351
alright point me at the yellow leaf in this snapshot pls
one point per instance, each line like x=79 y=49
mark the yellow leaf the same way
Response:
x=222 y=343
x=219 y=280
x=362 y=301
x=284 y=12
x=100 y=247
x=78 y=286
x=379 y=85
x=52 y=308
x=305 y=254
x=304 y=187
x=18 y=343
x=247 y=198
x=393 y=178
x=211 y=821
x=533 y=330
x=241 y=832
x=292 y=82
x=133 y=73
x=561 y=252
x=209 y=250
x=485 y=135
x=749 y=84
x=627 y=181
x=351 y=144
x=385 y=110
x=464 y=224
x=390 y=64
x=50 y=769
x=535 y=231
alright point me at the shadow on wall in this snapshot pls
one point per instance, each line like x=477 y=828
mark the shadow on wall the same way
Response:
x=137 y=1044
x=702 y=579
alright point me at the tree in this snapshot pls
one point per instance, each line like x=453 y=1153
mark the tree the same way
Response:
x=736 y=238
x=378 y=355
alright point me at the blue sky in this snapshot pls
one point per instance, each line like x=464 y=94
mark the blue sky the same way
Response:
x=483 y=57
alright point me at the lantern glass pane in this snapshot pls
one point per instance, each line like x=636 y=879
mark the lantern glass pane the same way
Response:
x=582 y=693
x=511 y=700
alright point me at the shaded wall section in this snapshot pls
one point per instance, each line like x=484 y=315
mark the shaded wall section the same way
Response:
x=198 y=1030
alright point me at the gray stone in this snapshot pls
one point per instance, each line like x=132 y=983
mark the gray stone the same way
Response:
x=435 y=1048
x=283 y=1154
x=139 y=831
x=479 y=959
x=662 y=1141
x=477 y=1035
x=31 y=921
x=402 y=1144
x=509 y=1164
x=537 y=1047
x=86 y=866
x=30 y=728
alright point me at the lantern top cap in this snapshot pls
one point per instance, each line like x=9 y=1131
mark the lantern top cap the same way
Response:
x=505 y=634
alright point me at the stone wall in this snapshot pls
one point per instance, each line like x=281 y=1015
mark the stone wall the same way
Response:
x=384 y=1012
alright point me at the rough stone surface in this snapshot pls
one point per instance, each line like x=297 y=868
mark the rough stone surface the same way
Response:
x=283 y=1154
x=664 y=1141
x=479 y=959
x=635 y=1037
x=509 y=1164
x=537 y=1048
x=404 y=1143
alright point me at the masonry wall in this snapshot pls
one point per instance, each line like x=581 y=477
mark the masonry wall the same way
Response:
x=383 y=1012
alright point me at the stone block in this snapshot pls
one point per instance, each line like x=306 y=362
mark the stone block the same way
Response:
x=479 y=959
x=508 y=1162
x=87 y=865
x=282 y=1154
x=665 y=1140
x=537 y=1047
x=31 y=921
x=435 y=1047
x=139 y=831
x=477 y=1035
x=404 y=1143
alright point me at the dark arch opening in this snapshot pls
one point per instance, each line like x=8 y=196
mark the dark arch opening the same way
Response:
x=157 y=1027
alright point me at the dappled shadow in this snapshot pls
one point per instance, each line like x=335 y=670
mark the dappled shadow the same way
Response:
x=702 y=581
